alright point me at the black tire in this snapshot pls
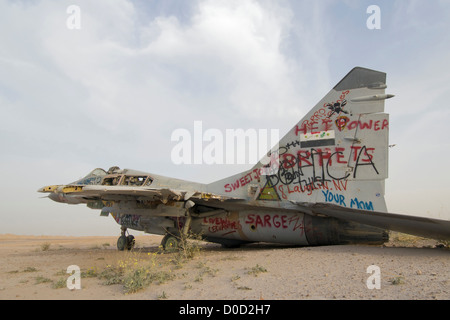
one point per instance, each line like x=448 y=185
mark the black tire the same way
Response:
x=130 y=242
x=121 y=243
x=170 y=243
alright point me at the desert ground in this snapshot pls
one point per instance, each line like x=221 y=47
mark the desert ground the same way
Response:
x=35 y=268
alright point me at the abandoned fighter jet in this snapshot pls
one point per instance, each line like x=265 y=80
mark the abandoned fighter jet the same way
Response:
x=323 y=185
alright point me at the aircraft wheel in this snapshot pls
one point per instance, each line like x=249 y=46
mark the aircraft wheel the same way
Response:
x=122 y=243
x=130 y=242
x=170 y=243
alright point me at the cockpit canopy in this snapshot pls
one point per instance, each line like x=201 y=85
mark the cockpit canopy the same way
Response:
x=93 y=178
x=115 y=177
x=127 y=180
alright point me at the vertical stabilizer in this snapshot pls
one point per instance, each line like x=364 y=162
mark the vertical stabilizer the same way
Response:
x=337 y=153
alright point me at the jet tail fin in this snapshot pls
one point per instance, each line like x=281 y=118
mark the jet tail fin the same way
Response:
x=337 y=153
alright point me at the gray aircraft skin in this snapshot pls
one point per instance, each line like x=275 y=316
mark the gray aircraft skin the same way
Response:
x=322 y=185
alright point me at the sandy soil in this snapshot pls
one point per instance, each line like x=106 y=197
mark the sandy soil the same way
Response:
x=33 y=267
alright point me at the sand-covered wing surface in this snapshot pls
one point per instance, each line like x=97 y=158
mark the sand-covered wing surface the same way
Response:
x=34 y=267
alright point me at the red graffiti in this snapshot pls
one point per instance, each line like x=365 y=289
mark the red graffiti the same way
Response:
x=321 y=120
x=275 y=221
x=217 y=224
x=314 y=126
x=253 y=175
x=376 y=126
x=322 y=115
x=308 y=188
x=268 y=221
x=326 y=156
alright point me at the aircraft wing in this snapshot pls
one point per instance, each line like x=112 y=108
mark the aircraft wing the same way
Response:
x=88 y=193
x=95 y=192
x=420 y=226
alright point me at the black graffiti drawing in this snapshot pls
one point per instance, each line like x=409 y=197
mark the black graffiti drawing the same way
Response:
x=337 y=107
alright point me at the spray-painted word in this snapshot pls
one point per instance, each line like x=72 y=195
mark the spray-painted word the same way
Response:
x=217 y=224
x=339 y=199
x=275 y=221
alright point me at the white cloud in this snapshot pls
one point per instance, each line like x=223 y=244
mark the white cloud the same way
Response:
x=235 y=45
x=229 y=56
x=113 y=91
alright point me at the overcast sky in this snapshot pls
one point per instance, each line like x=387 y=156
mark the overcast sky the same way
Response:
x=113 y=91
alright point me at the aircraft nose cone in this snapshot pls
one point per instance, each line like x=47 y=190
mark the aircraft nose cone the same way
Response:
x=53 y=193
x=47 y=189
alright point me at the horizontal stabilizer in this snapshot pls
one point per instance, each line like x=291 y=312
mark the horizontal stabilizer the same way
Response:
x=419 y=226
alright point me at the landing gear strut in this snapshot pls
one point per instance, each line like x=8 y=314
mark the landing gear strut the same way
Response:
x=125 y=241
